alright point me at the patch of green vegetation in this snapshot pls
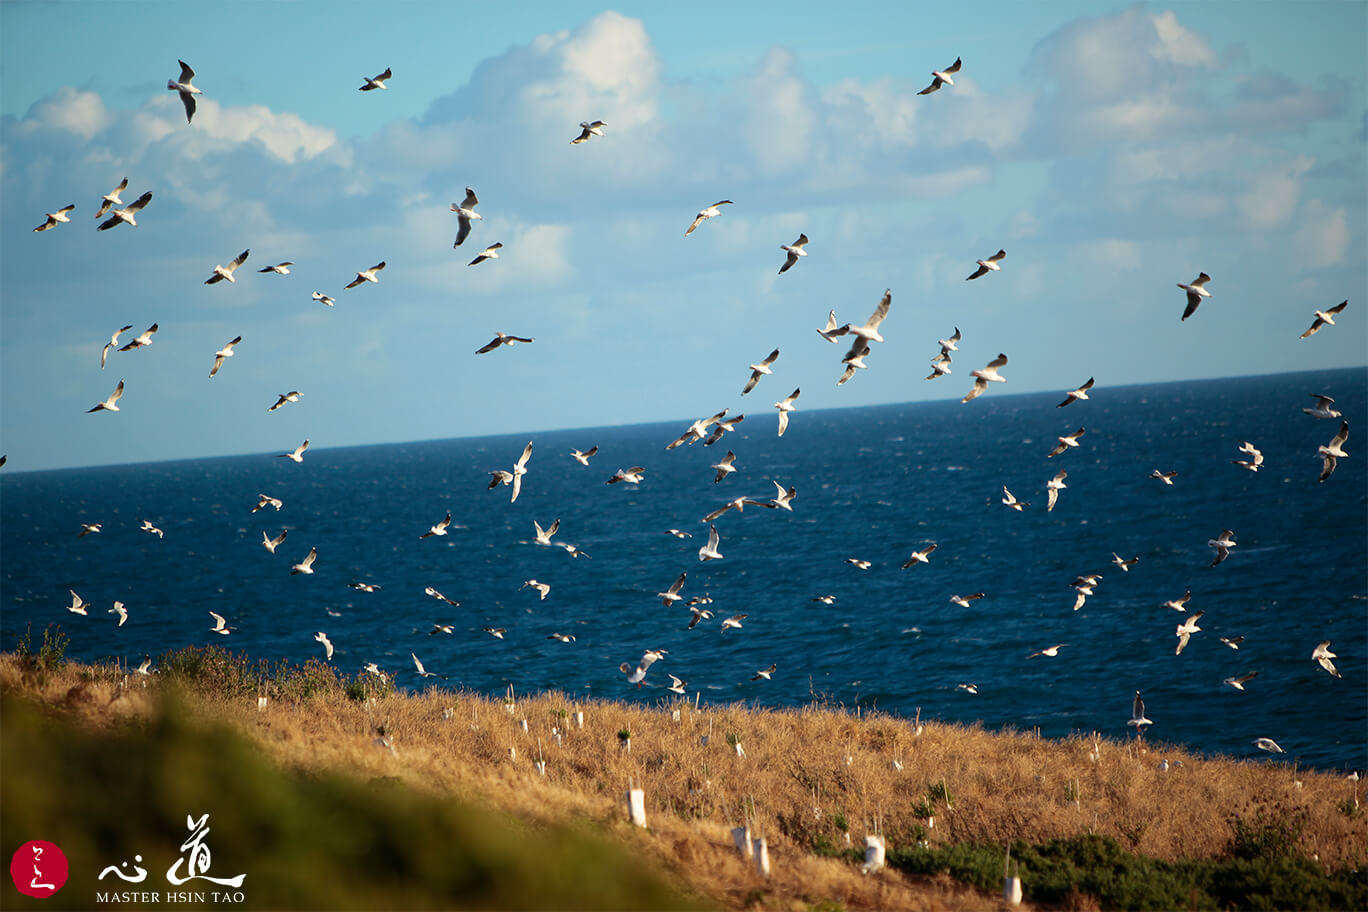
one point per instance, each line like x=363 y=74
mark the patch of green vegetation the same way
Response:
x=317 y=841
x=1269 y=873
x=50 y=655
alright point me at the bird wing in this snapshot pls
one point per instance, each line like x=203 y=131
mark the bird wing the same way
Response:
x=935 y=84
x=1193 y=299
x=982 y=270
x=140 y=202
x=696 y=222
x=490 y=345
x=792 y=258
x=463 y=231
x=953 y=68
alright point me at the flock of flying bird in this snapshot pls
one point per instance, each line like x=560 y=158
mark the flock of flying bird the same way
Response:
x=709 y=430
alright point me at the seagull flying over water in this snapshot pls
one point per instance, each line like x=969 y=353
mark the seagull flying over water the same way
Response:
x=282 y=398
x=326 y=299
x=587 y=130
x=1010 y=500
x=766 y=672
x=220 y=625
x=327 y=645
x=1223 y=543
x=1323 y=317
x=1269 y=745
x=964 y=600
x=121 y=611
x=112 y=198
x=725 y=467
x=1053 y=487
x=831 y=331
x=437 y=595
x=988 y=374
x=941 y=77
x=707 y=213
x=760 y=370
x=1332 y=452
x=270 y=544
x=783 y=499
x=281 y=268
x=112 y=343
x=1321 y=655
x=1254 y=463
x=1322 y=408
x=671 y=595
x=543 y=588
x=1138 y=714
x=79 y=605
x=465 y=213
x=126 y=214
x=869 y=331
x=1186 y=629
x=225 y=352
x=734 y=621
x=988 y=265
x=794 y=251
x=543 y=536
x=919 y=557
x=1165 y=477
x=1195 y=292
x=1124 y=564
x=439 y=529
x=109 y=404
x=151 y=529
x=697 y=430
x=709 y=551
x=1048 y=651
x=297 y=454
x=1179 y=604
x=367 y=275
x=723 y=426
x=422 y=672
x=306 y=565
x=265 y=500
x=226 y=272
x=373 y=83
x=1067 y=441
x=1075 y=395
x=785 y=406
x=54 y=217
x=638 y=674
x=583 y=458
x=630 y=476
x=1239 y=683
x=186 y=90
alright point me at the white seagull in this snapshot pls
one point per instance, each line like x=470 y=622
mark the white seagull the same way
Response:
x=1010 y=500
x=226 y=272
x=983 y=377
x=437 y=595
x=563 y=637
x=858 y=563
x=186 y=90
x=707 y=213
x=266 y=500
x=1322 y=316
x=1332 y=452
x=587 y=130
x=1138 y=714
x=543 y=536
x=282 y=398
x=306 y=565
x=831 y=331
x=1186 y=629
x=1239 y=683
x=967 y=688
x=1075 y=395
x=919 y=557
x=1322 y=409
x=110 y=403
x=126 y=214
x=438 y=529
x=630 y=476
x=326 y=299
x=724 y=467
x=365 y=587
x=765 y=673
x=939 y=368
x=519 y=470
x=112 y=198
x=225 y=352
x=1124 y=564
x=671 y=595
x=854 y=360
x=734 y=621
x=1269 y=745
x=79 y=605
x=327 y=645
x=723 y=426
x=489 y=253
x=281 y=268
x=88 y=528
x=1233 y=642
x=1165 y=477
x=1067 y=441
x=638 y=674
x=54 y=217
x=697 y=430
x=869 y=331
x=794 y=251
x=678 y=533
x=988 y=265
x=677 y=685
x=760 y=370
x=465 y=214
x=709 y=551
x=142 y=340
x=500 y=339
x=367 y=275
x=584 y=457
x=941 y=77
x=297 y=454
x=1178 y=604
x=112 y=343
x=1223 y=543
x=964 y=600
x=785 y=406
x=423 y=672
x=543 y=588
x=373 y=83
x=220 y=625
x=1048 y=651
x=496 y=632
x=270 y=544
x=1195 y=292
x=1053 y=487
x=783 y=498
x=148 y=527
x=1256 y=460
x=1321 y=655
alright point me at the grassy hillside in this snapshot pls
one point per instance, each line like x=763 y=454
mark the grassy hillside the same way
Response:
x=341 y=793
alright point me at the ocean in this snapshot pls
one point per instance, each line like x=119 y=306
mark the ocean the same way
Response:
x=872 y=483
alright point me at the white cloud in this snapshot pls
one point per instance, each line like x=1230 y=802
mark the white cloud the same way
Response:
x=1272 y=195
x=72 y=110
x=1112 y=253
x=1323 y=238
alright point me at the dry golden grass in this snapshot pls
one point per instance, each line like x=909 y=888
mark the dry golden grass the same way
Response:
x=807 y=778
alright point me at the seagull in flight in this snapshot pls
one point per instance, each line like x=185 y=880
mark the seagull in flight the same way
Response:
x=371 y=84
x=79 y=605
x=671 y=595
x=1269 y=745
x=423 y=672
x=709 y=551
x=734 y=621
x=1254 y=463
x=489 y=253
x=1178 y=604
x=367 y=275
x=365 y=587
x=501 y=338
x=126 y=214
x=858 y=563
x=1053 y=487
x=563 y=637
x=327 y=645
x=1322 y=408
x=1165 y=477
x=225 y=352
x=939 y=367
x=964 y=600
x=110 y=403
x=186 y=90
x=496 y=632
x=1239 y=683
x=1323 y=317
x=869 y=331
x=677 y=685
x=1138 y=714
x=941 y=77
x=988 y=374
x=282 y=398
x=270 y=544
x=678 y=533
x=587 y=130
x=1233 y=642
x=543 y=536
x=738 y=504
x=584 y=457
x=1010 y=500
x=967 y=688
x=265 y=500
x=1223 y=543
x=1195 y=292
x=724 y=467
x=919 y=557
x=638 y=674
x=831 y=332
x=1321 y=655
x=785 y=406
x=519 y=470
x=149 y=528
x=1124 y=564
x=760 y=370
x=697 y=430
x=142 y=340
x=698 y=614
x=1048 y=651
x=543 y=588
x=824 y=599
x=854 y=360
x=297 y=455
x=1185 y=631
x=437 y=595
x=783 y=498
x=226 y=272
x=1067 y=441
x=306 y=565
x=707 y=213
x=794 y=251
x=220 y=625
x=1075 y=395
x=112 y=343
x=1332 y=452
x=112 y=198
x=54 y=217
x=723 y=426
x=765 y=673
x=630 y=476
x=326 y=299
x=465 y=214
x=988 y=265
x=282 y=268
x=439 y=529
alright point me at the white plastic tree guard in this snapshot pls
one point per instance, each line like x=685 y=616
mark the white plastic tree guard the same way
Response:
x=636 y=806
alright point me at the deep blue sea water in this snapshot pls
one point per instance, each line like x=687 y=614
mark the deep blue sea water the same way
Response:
x=873 y=483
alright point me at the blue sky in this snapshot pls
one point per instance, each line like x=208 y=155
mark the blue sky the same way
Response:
x=1112 y=151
